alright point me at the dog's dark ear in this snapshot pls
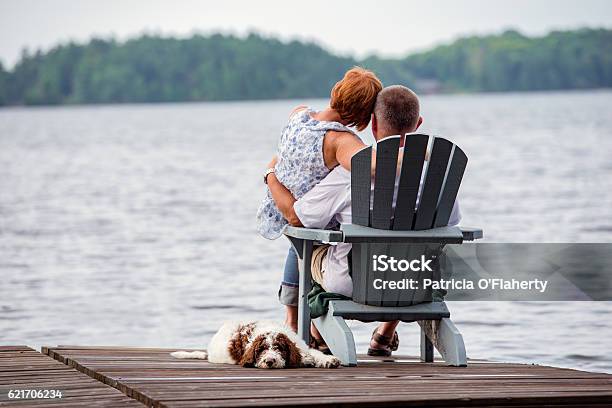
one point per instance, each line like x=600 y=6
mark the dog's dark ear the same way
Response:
x=239 y=341
x=250 y=352
x=248 y=358
x=291 y=352
x=236 y=346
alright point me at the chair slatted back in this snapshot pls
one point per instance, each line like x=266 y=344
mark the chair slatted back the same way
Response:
x=426 y=193
x=384 y=182
x=361 y=169
x=441 y=176
x=436 y=170
x=451 y=187
x=410 y=177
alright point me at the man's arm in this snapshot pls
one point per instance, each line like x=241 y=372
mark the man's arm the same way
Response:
x=284 y=200
x=318 y=206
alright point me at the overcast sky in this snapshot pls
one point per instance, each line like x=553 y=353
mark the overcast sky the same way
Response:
x=385 y=27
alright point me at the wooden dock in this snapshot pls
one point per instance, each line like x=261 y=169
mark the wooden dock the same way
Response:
x=130 y=377
x=154 y=378
x=22 y=368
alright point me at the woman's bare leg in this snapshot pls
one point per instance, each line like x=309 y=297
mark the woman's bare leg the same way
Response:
x=291 y=317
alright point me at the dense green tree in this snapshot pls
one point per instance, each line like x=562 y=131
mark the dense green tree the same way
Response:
x=512 y=62
x=219 y=67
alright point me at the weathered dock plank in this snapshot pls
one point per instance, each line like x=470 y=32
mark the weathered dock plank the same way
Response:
x=22 y=368
x=153 y=377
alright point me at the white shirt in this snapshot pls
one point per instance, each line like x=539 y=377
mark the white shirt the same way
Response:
x=330 y=199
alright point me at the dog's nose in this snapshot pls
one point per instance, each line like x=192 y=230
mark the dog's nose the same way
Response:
x=269 y=362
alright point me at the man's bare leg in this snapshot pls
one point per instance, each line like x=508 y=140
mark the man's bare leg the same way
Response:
x=314 y=332
x=386 y=329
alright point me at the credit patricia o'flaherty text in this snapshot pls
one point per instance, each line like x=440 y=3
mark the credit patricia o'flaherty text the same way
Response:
x=538 y=285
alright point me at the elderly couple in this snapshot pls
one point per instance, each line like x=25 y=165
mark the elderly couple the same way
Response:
x=309 y=182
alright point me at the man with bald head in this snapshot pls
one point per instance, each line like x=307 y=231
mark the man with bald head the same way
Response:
x=396 y=112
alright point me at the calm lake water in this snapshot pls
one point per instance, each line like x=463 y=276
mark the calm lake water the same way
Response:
x=134 y=225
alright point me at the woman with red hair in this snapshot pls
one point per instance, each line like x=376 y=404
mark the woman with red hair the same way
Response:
x=311 y=145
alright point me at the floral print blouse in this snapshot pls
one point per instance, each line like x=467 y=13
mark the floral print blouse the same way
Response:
x=300 y=166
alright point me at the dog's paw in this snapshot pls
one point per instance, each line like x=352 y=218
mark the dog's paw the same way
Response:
x=328 y=362
x=308 y=360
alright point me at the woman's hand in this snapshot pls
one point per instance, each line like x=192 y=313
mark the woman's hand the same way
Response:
x=272 y=163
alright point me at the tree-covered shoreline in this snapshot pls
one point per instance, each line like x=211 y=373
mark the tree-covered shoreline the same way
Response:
x=221 y=67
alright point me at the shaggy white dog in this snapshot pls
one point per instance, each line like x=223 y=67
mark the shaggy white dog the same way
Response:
x=261 y=344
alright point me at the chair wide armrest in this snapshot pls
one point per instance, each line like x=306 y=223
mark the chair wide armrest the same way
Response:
x=471 y=233
x=359 y=234
x=312 y=234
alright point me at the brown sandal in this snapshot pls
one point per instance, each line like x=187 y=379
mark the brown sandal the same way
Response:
x=391 y=342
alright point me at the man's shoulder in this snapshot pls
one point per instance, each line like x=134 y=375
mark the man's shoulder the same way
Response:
x=338 y=177
x=336 y=182
x=340 y=173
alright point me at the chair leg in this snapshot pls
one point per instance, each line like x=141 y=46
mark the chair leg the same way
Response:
x=447 y=339
x=427 y=348
x=451 y=341
x=304 y=289
x=338 y=337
